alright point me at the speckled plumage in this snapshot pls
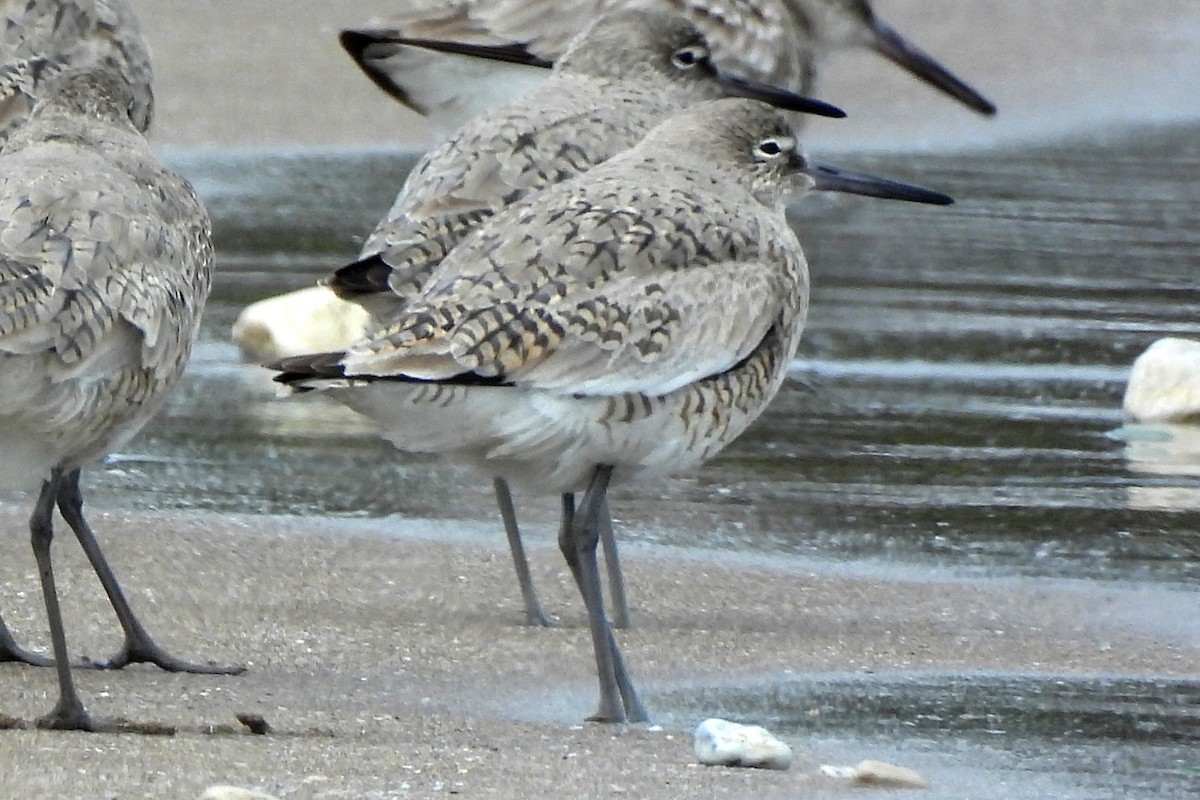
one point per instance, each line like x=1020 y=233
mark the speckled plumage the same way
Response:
x=626 y=323
x=105 y=264
x=628 y=71
x=41 y=38
x=664 y=280
x=617 y=80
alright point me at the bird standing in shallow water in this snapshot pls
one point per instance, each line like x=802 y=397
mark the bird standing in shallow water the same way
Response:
x=780 y=42
x=105 y=265
x=627 y=323
x=627 y=72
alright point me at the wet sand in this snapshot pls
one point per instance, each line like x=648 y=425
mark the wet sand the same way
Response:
x=391 y=652
x=388 y=655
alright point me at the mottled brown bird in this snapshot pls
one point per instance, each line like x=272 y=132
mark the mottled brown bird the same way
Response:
x=624 y=74
x=627 y=323
x=105 y=264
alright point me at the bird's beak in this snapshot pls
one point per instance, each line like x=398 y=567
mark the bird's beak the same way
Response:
x=892 y=46
x=780 y=98
x=827 y=178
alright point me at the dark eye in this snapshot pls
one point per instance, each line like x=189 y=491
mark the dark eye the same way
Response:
x=773 y=147
x=690 y=56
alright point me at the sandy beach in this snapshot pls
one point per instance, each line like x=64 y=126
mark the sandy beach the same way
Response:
x=388 y=655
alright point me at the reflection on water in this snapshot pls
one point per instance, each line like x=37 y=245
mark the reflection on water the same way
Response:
x=953 y=401
x=1171 y=451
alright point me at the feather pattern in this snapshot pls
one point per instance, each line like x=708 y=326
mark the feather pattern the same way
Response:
x=638 y=315
x=41 y=38
x=105 y=264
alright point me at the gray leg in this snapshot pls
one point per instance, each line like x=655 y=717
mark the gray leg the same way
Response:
x=533 y=609
x=616 y=579
x=11 y=651
x=68 y=713
x=138 y=647
x=578 y=538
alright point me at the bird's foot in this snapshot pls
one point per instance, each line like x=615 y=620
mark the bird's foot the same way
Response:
x=534 y=618
x=608 y=713
x=68 y=715
x=18 y=655
x=145 y=651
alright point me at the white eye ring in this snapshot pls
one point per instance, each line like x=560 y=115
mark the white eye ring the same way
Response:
x=690 y=56
x=773 y=148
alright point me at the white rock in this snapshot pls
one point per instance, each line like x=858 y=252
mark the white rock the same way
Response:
x=719 y=742
x=1164 y=384
x=311 y=320
x=223 y=792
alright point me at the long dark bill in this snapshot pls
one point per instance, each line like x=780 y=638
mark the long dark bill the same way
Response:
x=892 y=46
x=834 y=179
x=780 y=98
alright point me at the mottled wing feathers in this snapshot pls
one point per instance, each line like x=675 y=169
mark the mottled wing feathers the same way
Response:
x=578 y=288
x=82 y=254
x=497 y=160
x=633 y=333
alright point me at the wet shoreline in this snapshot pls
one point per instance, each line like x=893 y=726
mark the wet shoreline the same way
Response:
x=939 y=547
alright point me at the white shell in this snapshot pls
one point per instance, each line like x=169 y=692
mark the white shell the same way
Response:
x=312 y=320
x=719 y=742
x=1164 y=385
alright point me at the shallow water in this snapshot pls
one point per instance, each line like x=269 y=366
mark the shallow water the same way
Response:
x=985 y=735
x=955 y=401
x=955 y=407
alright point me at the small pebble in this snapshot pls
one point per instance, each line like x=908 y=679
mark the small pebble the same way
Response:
x=719 y=742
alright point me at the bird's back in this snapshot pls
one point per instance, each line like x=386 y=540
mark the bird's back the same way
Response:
x=105 y=265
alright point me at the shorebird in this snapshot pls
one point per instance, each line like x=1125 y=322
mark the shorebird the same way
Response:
x=40 y=38
x=625 y=73
x=779 y=42
x=620 y=325
x=105 y=264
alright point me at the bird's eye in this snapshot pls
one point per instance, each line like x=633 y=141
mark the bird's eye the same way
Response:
x=690 y=56
x=772 y=148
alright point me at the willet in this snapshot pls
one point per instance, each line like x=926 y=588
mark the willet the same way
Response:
x=780 y=42
x=627 y=323
x=106 y=265
x=40 y=38
x=627 y=72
